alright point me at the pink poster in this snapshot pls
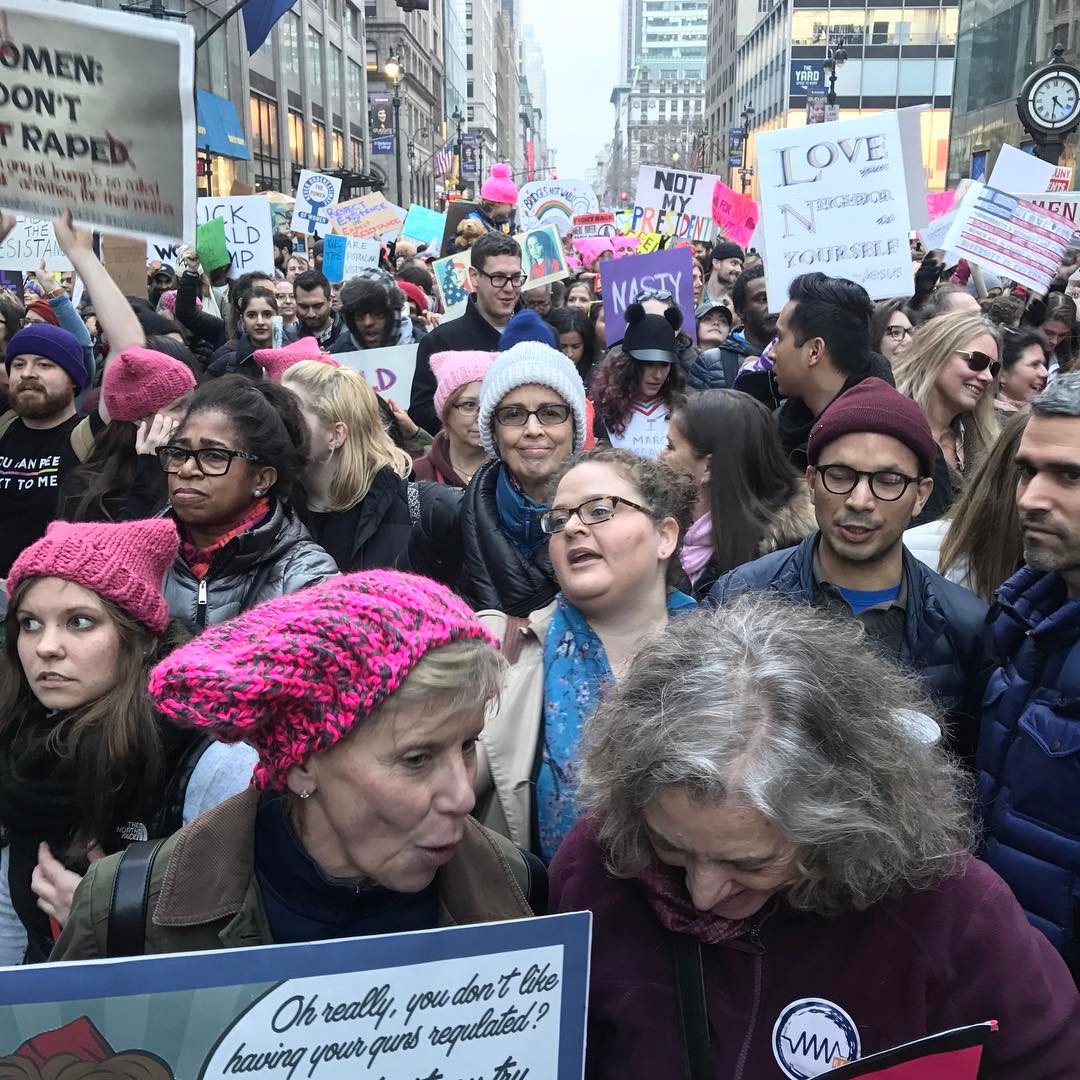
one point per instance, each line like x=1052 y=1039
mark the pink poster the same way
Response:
x=734 y=214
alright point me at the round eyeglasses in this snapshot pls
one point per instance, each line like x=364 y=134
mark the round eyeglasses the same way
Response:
x=885 y=485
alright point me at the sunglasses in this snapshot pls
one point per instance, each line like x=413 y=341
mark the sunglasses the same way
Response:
x=979 y=361
x=654 y=294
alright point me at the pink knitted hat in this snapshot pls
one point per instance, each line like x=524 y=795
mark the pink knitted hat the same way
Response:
x=168 y=302
x=124 y=563
x=499 y=186
x=453 y=370
x=275 y=362
x=140 y=382
x=295 y=675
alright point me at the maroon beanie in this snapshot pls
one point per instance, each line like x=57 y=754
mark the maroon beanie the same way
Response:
x=875 y=406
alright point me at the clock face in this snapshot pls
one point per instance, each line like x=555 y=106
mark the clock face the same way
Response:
x=1054 y=100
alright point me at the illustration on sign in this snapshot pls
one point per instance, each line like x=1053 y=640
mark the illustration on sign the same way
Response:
x=555 y=202
x=314 y=194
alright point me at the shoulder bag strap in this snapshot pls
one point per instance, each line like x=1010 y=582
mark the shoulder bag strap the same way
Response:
x=413 y=494
x=126 y=933
x=513 y=638
x=693 y=1008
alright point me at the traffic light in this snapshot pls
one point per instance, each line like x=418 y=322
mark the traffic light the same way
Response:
x=554 y=174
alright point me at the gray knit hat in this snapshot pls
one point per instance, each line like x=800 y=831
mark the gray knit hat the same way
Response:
x=530 y=362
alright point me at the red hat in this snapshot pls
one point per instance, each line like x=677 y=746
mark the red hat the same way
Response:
x=140 y=382
x=123 y=563
x=875 y=406
x=414 y=293
x=275 y=362
x=45 y=310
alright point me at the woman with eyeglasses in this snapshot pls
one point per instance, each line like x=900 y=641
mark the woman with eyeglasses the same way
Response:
x=234 y=469
x=456 y=451
x=487 y=541
x=949 y=368
x=615 y=525
x=1023 y=369
x=890 y=328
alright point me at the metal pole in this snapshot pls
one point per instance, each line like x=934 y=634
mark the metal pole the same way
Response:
x=397 y=135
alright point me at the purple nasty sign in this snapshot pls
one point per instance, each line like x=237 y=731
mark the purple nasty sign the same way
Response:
x=622 y=280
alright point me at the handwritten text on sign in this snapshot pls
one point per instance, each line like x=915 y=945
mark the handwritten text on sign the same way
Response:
x=494 y=1017
x=248 y=232
x=674 y=203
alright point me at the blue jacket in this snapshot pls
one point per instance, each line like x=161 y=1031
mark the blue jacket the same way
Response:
x=1029 y=754
x=944 y=628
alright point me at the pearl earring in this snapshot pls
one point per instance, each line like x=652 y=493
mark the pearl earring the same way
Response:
x=257 y=493
x=305 y=794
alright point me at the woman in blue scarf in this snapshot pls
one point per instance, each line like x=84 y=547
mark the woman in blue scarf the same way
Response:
x=614 y=527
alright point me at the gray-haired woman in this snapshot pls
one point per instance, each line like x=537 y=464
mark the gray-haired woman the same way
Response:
x=773 y=832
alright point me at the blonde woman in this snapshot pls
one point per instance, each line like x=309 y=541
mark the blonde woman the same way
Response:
x=950 y=368
x=356 y=480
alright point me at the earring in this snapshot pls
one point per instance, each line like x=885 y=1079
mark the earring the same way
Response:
x=305 y=794
x=257 y=493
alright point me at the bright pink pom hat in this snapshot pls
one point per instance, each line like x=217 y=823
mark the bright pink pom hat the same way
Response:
x=123 y=563
x=452 y=370
x=275 y=362
x=295 y=675
x=500 y=186
x=141 y=382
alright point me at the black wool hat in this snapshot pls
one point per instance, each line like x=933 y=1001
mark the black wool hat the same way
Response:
x=651 y=338
x=725 y=249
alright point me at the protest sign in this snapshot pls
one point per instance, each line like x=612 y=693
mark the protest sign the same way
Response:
x=315 y=193
x=28 y=243
x=947 y=1055
x=600 y=224
x=1016 y=171
x=162 y=250
x=1064 y=204
x=210 y=245
x=452 y=278
x=665 y=271
x=389 y=371
x=345 y=256
x=735 y=215
x=542 y=256
x=674 y=203
x=424 y=225
x=1014 y=238
x=125 y=259
x=939 y=203
x=495 y=1001
x=1062 y=179
x=554 y=202
x=370 y=215
x=248 y=231
x=841 y=198
x=69 y=129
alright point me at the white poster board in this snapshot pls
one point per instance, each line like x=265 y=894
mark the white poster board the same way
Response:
x=249 y=233
x=389 y=371
x=28 y=243
x=1016 y=171
x=554 y=202
x=674 y=202
x=315 y=193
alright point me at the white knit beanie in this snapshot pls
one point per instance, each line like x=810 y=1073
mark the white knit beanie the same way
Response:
x=530 y=362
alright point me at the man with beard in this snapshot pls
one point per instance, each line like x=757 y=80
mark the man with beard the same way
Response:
x=1029 y=742
x=41 y=436
x=871 y=454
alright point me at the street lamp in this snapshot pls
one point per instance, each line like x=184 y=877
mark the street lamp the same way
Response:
x=675 y=158
x=459 y=120
x=745 y=172
x=394 y=72
x=835 y=58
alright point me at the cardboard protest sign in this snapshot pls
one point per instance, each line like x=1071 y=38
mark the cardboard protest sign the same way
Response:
x=125 y=259
x=369 y=216
x=424 y=225
x=456 y=1002
x=542 y=256
x=345 y=256
x=1014 y=238
x=665 y=271
x=734 y=214
x=587 y=225
x=248 y=230
x=554 y=202
x=210 y=245
x=389 y=371
x=841 y=198
x=452 y=278
x=70 y=131
x=28 y=243
x=315 y=193
x=674 y=202
x=1016 y=171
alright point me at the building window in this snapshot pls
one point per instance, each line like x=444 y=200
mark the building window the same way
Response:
x=314 y=60
x=371 y=56
x=370 y=9
x=356 y=156
x=290 y=43
x=338 y=150
x=355 y=86
x=352 y=22
x=318 y=143
x=336 y=96
x=264 y=146
x=296 y=138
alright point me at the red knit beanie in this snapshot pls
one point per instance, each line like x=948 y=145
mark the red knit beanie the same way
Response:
x=875 y=406
x=43 y=309
x=275 y=362
x=141 y=382
x=123 y=563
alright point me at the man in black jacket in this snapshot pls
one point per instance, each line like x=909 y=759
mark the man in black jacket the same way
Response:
x=496 y=279
x=871 y=454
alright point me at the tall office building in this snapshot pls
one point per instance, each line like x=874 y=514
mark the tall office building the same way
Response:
x=482 y=65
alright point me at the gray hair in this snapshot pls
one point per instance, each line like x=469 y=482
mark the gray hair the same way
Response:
x=1060 y=398
x=792 y=713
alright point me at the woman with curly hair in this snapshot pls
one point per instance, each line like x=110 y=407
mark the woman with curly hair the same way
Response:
x=636 y=386
x=775 y=839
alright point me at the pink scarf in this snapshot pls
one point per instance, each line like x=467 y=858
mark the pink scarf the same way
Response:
x=665 y=890
x=697 y=547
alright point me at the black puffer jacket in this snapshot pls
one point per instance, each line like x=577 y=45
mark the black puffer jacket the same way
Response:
x=715 y=369
x=276 y=557
x=459 y=540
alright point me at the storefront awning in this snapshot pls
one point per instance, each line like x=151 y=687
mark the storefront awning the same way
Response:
x=218 y=128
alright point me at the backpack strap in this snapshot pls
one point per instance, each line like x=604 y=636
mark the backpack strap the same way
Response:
x=513 y=638
x=126 y=930
x=693 y=1008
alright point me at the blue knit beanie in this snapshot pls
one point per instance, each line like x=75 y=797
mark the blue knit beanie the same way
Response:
x=55 y=344
x=526 y=325
x=530 y=362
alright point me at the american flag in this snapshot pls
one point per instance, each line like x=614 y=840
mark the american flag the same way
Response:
x=444 y=159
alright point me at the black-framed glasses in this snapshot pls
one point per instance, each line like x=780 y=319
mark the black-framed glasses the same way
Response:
x=654 y=294
x=518 y=416
x=211 y=461
x=979 y=361
x=898 y=333
x=885 y=485
x=592 y=511
x=500 y=281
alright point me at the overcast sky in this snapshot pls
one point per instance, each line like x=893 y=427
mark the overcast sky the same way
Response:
x=580 y=39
